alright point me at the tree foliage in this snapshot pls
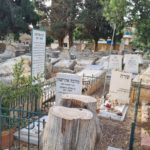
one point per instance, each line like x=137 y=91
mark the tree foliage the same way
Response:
x=140 y=15
x=63 y=18
x=115 y=11
x=73 y=8
x=94 y=22
x=16 y=15
x=58 y=19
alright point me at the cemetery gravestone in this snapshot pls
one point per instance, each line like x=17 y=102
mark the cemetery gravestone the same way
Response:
x=38 y=53
x=120 y=85
x=67 y=84
x=115 y=62
x=132 y=63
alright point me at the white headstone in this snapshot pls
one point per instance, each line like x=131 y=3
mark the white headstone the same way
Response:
x=115 y=62
x=132 y=63
x=120 y=85
x=67 y=84
x=38 y=53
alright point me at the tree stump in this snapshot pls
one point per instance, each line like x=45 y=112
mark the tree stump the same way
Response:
x=79 y=101
x=86 y=102
x=69 y=129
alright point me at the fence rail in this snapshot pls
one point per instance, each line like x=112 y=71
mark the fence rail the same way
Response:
x=20 y=129
x=22 y=122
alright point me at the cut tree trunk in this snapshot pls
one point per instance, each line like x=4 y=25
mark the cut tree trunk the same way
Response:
x=86 y=102
x=61 y=42
x=69 y=129
x=79 y=101
x=96 y=45
x=70 y=39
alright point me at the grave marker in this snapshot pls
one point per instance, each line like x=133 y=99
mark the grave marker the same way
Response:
x=115 y=62
x=67 y=84
x=132 y=62
x=38 y=54
x=120 y=85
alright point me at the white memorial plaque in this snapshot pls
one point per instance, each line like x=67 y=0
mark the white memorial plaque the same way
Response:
x=38 y=53
x=132 y=63
x=67 y=84
x=138 y=57
x=120 y=85
x=115 y=62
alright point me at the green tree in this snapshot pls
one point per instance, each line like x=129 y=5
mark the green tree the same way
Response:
x=5 y=17
x=115 y=11
x=94 y=22
x=58 y=18
x=73 y=8
x=16 y=15
x=140 y=14
x=63 y=19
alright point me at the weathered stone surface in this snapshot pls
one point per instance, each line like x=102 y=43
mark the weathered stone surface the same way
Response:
x=69 y=129
x=6 y=68
x=92 y=80
x=8 y=53
x=64 y=64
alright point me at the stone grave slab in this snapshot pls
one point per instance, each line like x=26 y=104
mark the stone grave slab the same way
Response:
x=82 y=63
x=114 y=116
x=67 y=84
x=120 y=86
x=33 y=131
x=115 y=62
x=132 y=63
x=64 y=64
x=93 y=79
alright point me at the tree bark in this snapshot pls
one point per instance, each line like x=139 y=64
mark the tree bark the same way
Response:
x=70 y=39
x=85 y=102
x=69 y=129
x=114 y=41
x=79 y=101
x=61 y=42
x=96 y=45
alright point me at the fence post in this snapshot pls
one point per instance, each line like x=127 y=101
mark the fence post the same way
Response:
x=133 y=126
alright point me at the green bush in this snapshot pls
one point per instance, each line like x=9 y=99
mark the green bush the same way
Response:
x=20 y=87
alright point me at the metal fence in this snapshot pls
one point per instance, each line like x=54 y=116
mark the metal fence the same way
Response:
x=23 y=120
x=20 y=130
x=134 y=123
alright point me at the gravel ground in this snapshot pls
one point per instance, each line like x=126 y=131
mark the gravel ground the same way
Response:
x=117 y=134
